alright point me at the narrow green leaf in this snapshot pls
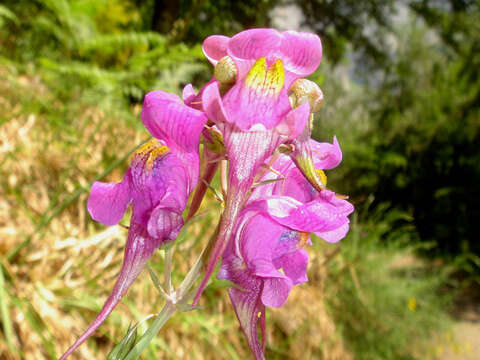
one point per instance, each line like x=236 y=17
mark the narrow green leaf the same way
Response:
x=217 y=195
x=121 y=350
x=151 y=332
x=5 y=315
x=268 y=181
x=156 y=282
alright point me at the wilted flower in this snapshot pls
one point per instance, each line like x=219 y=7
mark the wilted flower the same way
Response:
x=162 y=174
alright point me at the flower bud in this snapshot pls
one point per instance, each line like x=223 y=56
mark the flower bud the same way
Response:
x=214 y=140
x=305 y=90
x=225 y=71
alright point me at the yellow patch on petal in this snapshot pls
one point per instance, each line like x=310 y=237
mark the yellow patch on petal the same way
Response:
x=154 y=154
x=152 y=149
x=322 y=176
x=147 y=147
x=266 y=82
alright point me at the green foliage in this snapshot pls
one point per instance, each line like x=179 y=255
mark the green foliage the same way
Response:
x=80 y=52
x=383 y=299
x=350 y=23
x=410 y=131
x=120 y=351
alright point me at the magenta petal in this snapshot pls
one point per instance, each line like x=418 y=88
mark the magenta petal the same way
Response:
x=296 y=186
x=294 y=123
x=258 y=241
x=188 y=94
x=173 y=122
x=302 y=52
x=255 y=43
x=164 y=224
x=324 y=213
x=335 y=235
x=251 y=111
x=159 y=95
x=108 y=201
x=138 y=250
x=325 y=155
x=275 y=291
x=248 y=307
x=314 y=216
x=338 y=206
x=212 y=103
x=295 y=266
x=276 y=206
x=215 y=47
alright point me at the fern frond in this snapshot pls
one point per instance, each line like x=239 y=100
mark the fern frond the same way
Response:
x=89 y=72
x=8 y=14
x=114 y=42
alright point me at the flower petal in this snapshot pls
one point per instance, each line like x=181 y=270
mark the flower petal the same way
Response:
x=302 y=52
x=108 y=201
x=188 y=94
x=140 y=246
x=258 y=98
x=295 y=266
x=215 y=47
x=164 y=223
x=294 y=123
x=324 y=213
x=258 y=239
x=254 y=43
x=248 y=307
x=275 y=291
x=169 y=120
x=335 y=235
x=325 y=155
x=212 y=103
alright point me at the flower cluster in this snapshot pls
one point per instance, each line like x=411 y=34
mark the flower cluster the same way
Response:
x=254 y=118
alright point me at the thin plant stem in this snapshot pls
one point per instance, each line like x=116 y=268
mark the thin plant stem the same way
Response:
x=223 y=177
x=200 y=190
x=168 y=268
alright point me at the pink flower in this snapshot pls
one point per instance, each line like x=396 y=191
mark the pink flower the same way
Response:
x=300 y=53
x=265 y=259
x=254 y=113
x=253 y=264
x=162 y=174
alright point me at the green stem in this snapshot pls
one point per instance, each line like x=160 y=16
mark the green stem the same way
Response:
x=168 y=269
x=167 y=311
x=181 y=297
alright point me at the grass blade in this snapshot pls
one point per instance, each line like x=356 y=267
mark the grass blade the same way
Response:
x=151 y=332
x=5 y=315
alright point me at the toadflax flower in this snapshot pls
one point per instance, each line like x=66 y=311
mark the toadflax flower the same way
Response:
x=162 y=174
x=249 y=104
x=267 y=258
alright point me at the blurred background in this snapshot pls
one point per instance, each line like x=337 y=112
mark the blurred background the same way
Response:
x=402 y=94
